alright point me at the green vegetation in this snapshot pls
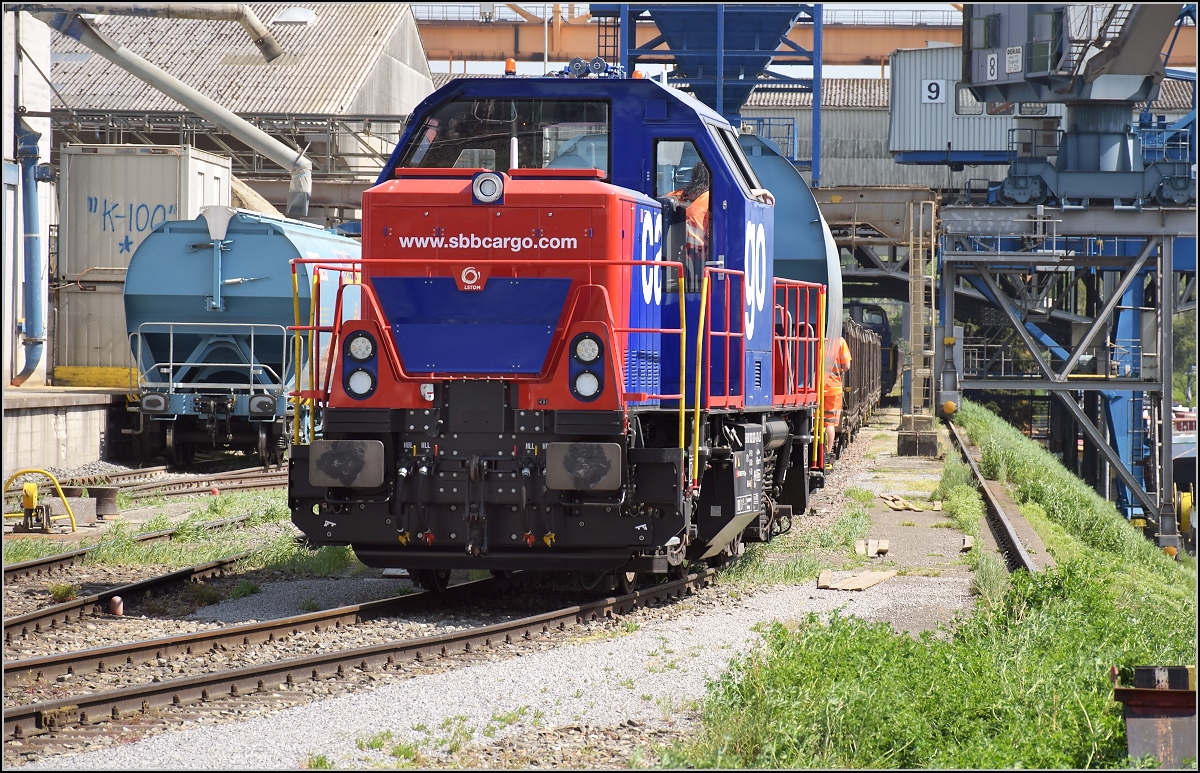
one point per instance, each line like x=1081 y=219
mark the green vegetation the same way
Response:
x=318 y=762
x=62 y=591
x=1184 y=357
x=1021 y=682
x=795 y=557
x=193 y=543
x=243 y=589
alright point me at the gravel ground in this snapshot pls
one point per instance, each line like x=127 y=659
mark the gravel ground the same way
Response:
x=653 y=676
x=607 y=700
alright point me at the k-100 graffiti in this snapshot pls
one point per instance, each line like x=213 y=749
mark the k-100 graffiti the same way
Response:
x=116 y=216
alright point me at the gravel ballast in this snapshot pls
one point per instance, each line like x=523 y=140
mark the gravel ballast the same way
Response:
x=654 y=676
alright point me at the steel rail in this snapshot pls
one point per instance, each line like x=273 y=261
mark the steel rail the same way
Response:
x=62 y=614
x=40 y=718
x=80 y=661
x=251 y=484
x=1002 y=528
x=49 y=564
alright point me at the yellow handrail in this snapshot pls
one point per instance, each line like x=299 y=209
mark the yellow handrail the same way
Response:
x=70 y=514
x=699 y=366
x=315 y=348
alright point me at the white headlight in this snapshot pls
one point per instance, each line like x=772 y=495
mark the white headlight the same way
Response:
x=586 y=384
x=487 y=187
x=361 y=382
x=587 y=350
x=361 y=347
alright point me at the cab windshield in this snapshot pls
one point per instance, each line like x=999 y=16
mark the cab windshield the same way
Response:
x=477 y=133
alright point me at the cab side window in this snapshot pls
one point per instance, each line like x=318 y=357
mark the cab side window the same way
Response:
x=683 y=184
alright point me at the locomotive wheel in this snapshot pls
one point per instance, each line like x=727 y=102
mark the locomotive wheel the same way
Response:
x=678 y=571
x=432 y=580
x=625 y=583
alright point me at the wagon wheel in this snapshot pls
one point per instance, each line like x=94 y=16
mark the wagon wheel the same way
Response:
x=432 y=580
x=179 y=453
x=625 y=583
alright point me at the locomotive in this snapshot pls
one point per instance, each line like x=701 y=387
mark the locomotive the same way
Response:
x=572 y=352
x=207 y=307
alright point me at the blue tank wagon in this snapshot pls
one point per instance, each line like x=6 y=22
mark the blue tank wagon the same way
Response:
x=207 y=307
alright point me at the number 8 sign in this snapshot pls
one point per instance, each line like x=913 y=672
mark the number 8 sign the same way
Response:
x=933 y=91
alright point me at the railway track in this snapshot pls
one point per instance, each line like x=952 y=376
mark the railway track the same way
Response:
x=94 y=604
x=60 y=722
x=238 y=480
x=1002 y=528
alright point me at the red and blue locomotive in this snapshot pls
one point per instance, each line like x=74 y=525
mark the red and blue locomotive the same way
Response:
x=571 y=352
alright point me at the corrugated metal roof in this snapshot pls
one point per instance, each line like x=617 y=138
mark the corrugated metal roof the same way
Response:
x=324 y=65
x=862 y=93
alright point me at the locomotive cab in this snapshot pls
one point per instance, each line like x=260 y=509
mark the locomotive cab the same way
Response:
x=565 y=358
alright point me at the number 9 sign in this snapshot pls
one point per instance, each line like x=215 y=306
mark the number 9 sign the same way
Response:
x=933 y=92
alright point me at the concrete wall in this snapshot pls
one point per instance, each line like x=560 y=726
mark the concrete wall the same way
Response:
x=52 y=429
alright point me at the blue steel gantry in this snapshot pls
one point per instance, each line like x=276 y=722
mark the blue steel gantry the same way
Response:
x=1096 y=248
x=721 y=52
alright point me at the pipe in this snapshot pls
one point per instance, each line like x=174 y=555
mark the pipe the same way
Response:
x=300 y=187
x=34 y=328
x=239 y=12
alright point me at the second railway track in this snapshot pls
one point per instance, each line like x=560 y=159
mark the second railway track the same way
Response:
x=55 y=721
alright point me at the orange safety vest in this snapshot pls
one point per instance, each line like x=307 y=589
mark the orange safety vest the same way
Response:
x=697 y=226
x=841 y=366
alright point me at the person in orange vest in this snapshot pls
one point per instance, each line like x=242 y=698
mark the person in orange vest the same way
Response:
x=695 y=198
x=833 y=393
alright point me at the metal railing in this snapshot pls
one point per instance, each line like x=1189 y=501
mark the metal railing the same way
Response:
x=308 y=335
x=783 y=132
x=172 y=373
x=339 y=146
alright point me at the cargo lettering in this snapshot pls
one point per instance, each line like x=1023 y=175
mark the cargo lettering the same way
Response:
x=474 y=241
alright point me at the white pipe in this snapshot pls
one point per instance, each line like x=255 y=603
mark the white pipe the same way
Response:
x=300 y=187
x=239 y=12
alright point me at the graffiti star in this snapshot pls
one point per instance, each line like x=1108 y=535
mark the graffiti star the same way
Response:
x=125 y=245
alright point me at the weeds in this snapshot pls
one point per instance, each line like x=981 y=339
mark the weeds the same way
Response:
x=243 y=589
x=318 y=762
x=62 y=591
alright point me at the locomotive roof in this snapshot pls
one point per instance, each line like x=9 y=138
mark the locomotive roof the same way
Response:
x=627 y=95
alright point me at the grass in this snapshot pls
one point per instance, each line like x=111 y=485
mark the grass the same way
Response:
x=1020 y=682
x=805 y=554
x=193 y=543
x=318 y=762
x=62 y=591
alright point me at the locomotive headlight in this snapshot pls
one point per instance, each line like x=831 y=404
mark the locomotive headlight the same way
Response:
x=487 y=187
x=361 y=347
x=587 y=385
x=587 y=350
x=361 y=383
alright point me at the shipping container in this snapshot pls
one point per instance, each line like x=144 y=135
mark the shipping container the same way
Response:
x=110 y=198
x=934 y=119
